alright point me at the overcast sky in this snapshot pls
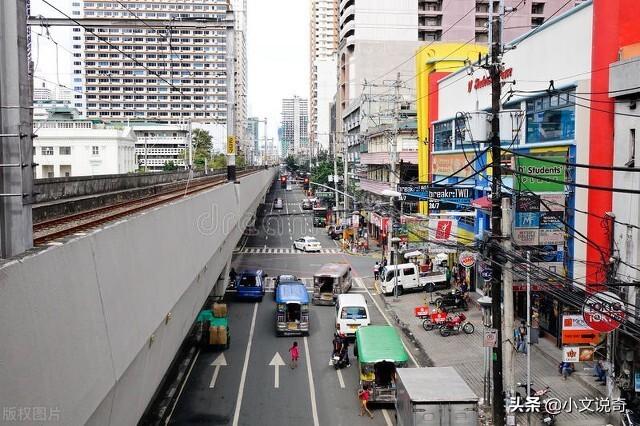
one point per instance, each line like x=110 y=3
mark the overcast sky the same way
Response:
x=278 y=54
x=277 y=51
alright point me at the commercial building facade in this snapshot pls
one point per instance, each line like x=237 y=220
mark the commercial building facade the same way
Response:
x=160 y=144
x=294 y=136
x=323 y=69
x=71 y=146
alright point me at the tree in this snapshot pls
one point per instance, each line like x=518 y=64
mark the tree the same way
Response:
x=202 y=143
x=291 y=163
x=219 y=161
x=321 y=172
x=169 y=166
x=240 y=160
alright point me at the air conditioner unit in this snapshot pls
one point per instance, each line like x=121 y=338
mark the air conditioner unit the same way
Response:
x=511 y=122
x=476 y=127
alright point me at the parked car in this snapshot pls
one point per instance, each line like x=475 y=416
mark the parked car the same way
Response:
x=278 y=204
x=409 y=278
x=306 y=204
x=250 y=284
x=335 y=232
x=307 y=244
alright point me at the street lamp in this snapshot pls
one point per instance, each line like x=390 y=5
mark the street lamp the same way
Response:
x=485 y=305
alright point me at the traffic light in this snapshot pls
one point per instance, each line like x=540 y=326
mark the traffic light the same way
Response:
x=283 y=181
x=305 y=184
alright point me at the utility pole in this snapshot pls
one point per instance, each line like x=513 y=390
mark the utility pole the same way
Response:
x=190 y=141
x=496 y=217
x=231 y=101
x=509 y=356
x=345 y=161
x=265 y=141
x=335 y=177
x=16 y=129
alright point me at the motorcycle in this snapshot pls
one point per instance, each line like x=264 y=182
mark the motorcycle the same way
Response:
x=339 y=362
x=630 y=418
x=451 y=300
x=434 y=320
x=547 y=417
x=455 y=324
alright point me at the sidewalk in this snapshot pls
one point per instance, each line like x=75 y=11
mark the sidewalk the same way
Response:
x=465 y=353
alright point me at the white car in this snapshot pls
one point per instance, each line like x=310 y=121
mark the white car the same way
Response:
x=307 y=244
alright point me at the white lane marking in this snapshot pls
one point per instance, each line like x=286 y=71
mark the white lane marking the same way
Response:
x=340 y=378
x=218 y=362
x=182 y=387
x=276 y=362
x=243 y=376
x=312 y=390
x=386 y=416
x=375 y=302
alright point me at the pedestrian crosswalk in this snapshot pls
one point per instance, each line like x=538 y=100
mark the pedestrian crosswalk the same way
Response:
x=269 y=250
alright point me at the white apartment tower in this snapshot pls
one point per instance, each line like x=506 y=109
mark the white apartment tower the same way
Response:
x=323 y=68
x=295 y=119
x=150 y=72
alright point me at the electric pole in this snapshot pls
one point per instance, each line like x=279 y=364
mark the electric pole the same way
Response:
x=231 y=101
x=496 y=217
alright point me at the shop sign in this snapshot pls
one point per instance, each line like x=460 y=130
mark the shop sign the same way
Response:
x=539 y=167
x=355 y=220
x=439 y=248
x=467 y=259
x=446 y=164
x=604 y=311
x=575 y=331
x=526 y=236
x=527 y=219
x=439 y=198
x=551 y=236
x=527 y=203
x=552 y=202
x=487 y=274
x=637 y=381
x=485 y=81
x=490 y=338
x=376 y=220
x=551 y=220
x=570 y=353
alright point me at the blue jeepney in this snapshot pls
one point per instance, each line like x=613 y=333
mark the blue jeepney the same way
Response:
x=292 y=309
x=250 y=284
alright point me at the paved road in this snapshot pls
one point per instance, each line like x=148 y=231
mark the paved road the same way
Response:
x=244 y=391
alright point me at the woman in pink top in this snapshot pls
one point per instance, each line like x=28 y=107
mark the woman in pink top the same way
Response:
x=295 y=353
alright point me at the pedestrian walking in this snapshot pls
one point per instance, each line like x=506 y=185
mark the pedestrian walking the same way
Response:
x=295 y=353
x=363 y=396
x=376 y=271
x=522 y=342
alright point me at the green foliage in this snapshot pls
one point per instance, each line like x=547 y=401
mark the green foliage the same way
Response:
x=201 y=140
x=321 y=172
x=169 y=166
x=219 y=161
x=240 y=160
x=291 y=163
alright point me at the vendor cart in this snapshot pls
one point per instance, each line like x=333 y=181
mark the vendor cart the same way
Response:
x=431 y=318
x=213 y=331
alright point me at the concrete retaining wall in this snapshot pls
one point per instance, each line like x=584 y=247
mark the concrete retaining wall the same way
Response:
x=83 y=326
x=79 y=186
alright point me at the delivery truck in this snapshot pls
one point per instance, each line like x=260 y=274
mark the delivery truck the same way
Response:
x=434 y=396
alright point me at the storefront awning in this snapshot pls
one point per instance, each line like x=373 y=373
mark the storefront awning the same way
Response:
x=483 y=203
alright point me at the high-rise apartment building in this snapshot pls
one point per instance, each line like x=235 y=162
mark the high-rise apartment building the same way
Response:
x=253 y=139
x=294 y=137
x=323 y=78
x=151 y=72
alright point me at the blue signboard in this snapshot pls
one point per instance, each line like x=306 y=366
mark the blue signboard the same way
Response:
x=527 y=219
x=439 y=197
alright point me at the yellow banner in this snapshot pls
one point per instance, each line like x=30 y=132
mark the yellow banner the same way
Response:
x=231 y=145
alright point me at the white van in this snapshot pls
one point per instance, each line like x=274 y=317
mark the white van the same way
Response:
x=351 y=313
x=408 y=278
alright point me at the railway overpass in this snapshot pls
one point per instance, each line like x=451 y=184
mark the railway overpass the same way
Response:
x=90 y=324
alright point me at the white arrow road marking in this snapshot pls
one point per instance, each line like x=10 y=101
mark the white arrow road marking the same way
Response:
x=276 y=362
x=218 y=362
x=340 y=378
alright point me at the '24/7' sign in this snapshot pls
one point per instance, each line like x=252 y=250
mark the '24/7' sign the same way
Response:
x=439 y=197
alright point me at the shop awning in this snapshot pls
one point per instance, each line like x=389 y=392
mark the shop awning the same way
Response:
x=415 y=253
x=483 y=203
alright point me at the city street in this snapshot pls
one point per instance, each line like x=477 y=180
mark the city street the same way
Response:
x=248 y=390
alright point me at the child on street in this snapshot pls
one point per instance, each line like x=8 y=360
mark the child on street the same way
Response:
x=295 y=353
x=363 y=396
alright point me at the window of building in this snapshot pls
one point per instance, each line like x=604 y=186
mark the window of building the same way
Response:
x=443 y=136
x=550 y=118
x=95 y=150
x=632 y=148
x=64 y=150
x=46 y=150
